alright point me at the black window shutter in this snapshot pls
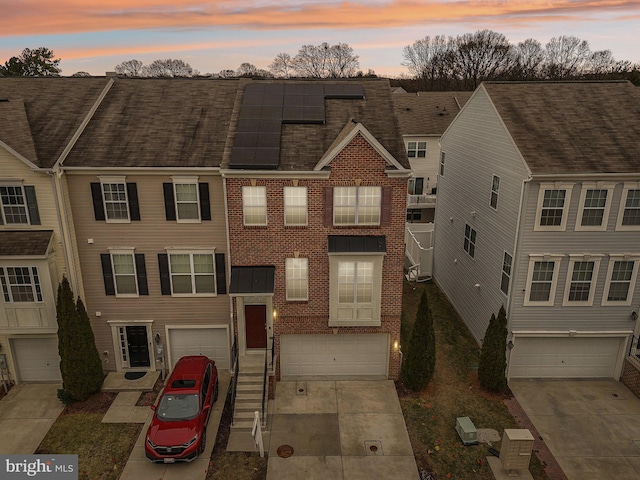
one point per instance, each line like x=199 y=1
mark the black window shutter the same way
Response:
x=96 y=194
x=328 y=206
x=221 y=274
x=385 y=215
x=165 y=281
x=32 y=204
x=107 y=274
x=141 y=270
x=132 y=195
x=169 y=202
x=1 y=222
x=205 y=208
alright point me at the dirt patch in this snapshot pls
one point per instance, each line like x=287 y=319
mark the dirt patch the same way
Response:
x=96 y=403
x=149 y=398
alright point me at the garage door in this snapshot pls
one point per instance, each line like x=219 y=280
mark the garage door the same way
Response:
x=37 y=359
x=575 y=357
x=334 y=355
x=212 y=342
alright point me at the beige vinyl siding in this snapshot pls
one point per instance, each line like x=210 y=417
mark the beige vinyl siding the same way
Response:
x=571 y=242
x=72 y=234
x=477 y=147
x=150 y=236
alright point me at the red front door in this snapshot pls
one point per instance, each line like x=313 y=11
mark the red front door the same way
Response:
x=255 y=317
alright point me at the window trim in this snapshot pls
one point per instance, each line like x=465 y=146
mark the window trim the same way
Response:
x=503 y=273
x=3 y=217
x=357 y=206
x=186 y=181
x=416 y=148
x=494 y=192
x=568 y=187
x=191 y=252
x=609 y=187
x=124 y=251
x=114 y=180
x=632 y=283
x=263 y=188
x=306 y=205
x=290 y=298
x=468 y=242
x=557 y=259
x=36 y=287
x=623 y=200
x=442 y=164
x=573 y=259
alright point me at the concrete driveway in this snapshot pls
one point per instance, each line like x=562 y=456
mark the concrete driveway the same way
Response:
x=592 y=427
x=28 y=411
x=343 y=430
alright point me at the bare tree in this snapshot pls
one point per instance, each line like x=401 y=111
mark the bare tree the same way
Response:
x=341 y=62
x=326 y=61
x=81 y=74
x=168 y=68
x=129 y=68
x=226 y=74
x=282 y=66
x=529 y=57
x=247 y=70
x=427 y=58
x=566 y=57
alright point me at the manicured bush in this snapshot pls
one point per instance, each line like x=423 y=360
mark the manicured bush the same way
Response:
x=420 y=360
x=493 y=355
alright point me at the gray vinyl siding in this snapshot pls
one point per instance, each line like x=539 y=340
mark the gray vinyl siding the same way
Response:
x=477 y=147
x=579 y=318
x=150 y=236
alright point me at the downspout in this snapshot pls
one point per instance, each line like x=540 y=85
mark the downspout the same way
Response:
x=228 y=265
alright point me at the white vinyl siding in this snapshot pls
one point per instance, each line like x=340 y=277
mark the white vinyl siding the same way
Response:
x=254 y=205
x=192 y=273
x=356 y=205
x=622 y=274
x=629 y=213
x=553 y=206
x=297 y=272
x=295 y=205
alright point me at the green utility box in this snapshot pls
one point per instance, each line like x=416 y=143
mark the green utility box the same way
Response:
x=467 y=431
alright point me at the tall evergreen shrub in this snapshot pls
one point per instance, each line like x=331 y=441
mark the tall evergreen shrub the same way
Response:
x=493 y=355
x=420 y=360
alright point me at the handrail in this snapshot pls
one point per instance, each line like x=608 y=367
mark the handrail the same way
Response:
x=236 y=373
x=264 y=390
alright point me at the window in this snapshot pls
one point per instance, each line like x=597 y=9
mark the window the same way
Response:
x=470 y=241
x=355 y=282
x=495 y=188
x=295 y=205
x=297 y=279
x=192 y=273
x=442 y=164
x=542 y=280
x=595 y=202
x=417 y=149
x=18 y=205
x=416 y=186
x=629 y=215
x=20 y=284
x=114 y=200
x=187 y=205
x=186 y=200
x=124 y=273
x=356 y=205
x=551 y=212
x=581 y=273
x=254 y=205
x=621 y=279
x=506 y=273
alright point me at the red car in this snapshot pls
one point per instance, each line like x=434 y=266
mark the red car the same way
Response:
x=178 y=429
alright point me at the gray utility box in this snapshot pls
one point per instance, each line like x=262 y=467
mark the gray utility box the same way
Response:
x=515 y=451
x=466 y=430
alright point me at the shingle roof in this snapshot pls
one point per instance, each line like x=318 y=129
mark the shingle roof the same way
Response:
x=572 y=127
x=24 y=242
x=427 y=113
x=55 y=107
x=158 y=123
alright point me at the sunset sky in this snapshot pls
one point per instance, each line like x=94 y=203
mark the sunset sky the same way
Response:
x=96 y=35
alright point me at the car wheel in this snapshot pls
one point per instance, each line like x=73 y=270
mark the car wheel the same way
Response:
x=203 y=444
x=215 y=391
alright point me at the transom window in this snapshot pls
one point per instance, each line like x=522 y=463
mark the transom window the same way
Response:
x=495 y=188
x=470 y=241
x=124 y=272
x=20 y=284
x=355 y=282
x=417 y=149
x=356 y=205
x=14 y=205
x=297 y=279
x=581 y=278
x=187 y=205
x=192 y=273
x=542 y=281
x=254 y=205
x=631 y=214
x=506 y=273
x=295 y=205
x=115 y=200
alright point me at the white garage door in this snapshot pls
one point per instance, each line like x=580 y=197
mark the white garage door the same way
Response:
x=334 y=355
x=37 y=359
x=212 y=342
x=566 y=357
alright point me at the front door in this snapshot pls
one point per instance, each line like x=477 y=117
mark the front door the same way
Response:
x=138 y=346
x=255 y=317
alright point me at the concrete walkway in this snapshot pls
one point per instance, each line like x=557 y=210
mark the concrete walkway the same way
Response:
x=26 y=415
x=592 y=427
x=343 y=430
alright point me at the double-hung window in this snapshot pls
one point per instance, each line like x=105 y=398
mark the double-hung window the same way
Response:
x=254 y=205
x=629 y=214
x=124 y=272
x=115 y=200
x=507 y=262
x=595 y=203
x=416 y=149
x=192 y=273
x=542 y=279
x=18 y=205
x=621 y=280
x=495 y=189
x=581 y=276
x=297 y=273
x=187 y=204
x=357 y=205
x=20 y=284
x=470 y=241
x=295 y=205
x=553 y=203
x=186 y=200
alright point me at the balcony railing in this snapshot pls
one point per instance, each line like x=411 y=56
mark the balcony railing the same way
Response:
x=419 y=249
x=634 y=347
x=421 y=201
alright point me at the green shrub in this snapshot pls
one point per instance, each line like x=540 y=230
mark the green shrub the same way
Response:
x=420 y=361
x=493 y=355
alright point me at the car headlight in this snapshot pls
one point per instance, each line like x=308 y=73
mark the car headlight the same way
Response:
x=190 y=442
x=153 y=445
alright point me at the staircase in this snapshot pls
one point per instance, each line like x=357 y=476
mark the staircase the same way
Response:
x=249 y=392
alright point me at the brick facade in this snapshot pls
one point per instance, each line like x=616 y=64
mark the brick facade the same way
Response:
x=274 y=243
x=631 y=375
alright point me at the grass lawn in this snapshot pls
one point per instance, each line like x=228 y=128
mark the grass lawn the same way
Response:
x=454 y=391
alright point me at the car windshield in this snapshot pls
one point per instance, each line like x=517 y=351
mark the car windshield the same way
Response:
x=178 y=407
